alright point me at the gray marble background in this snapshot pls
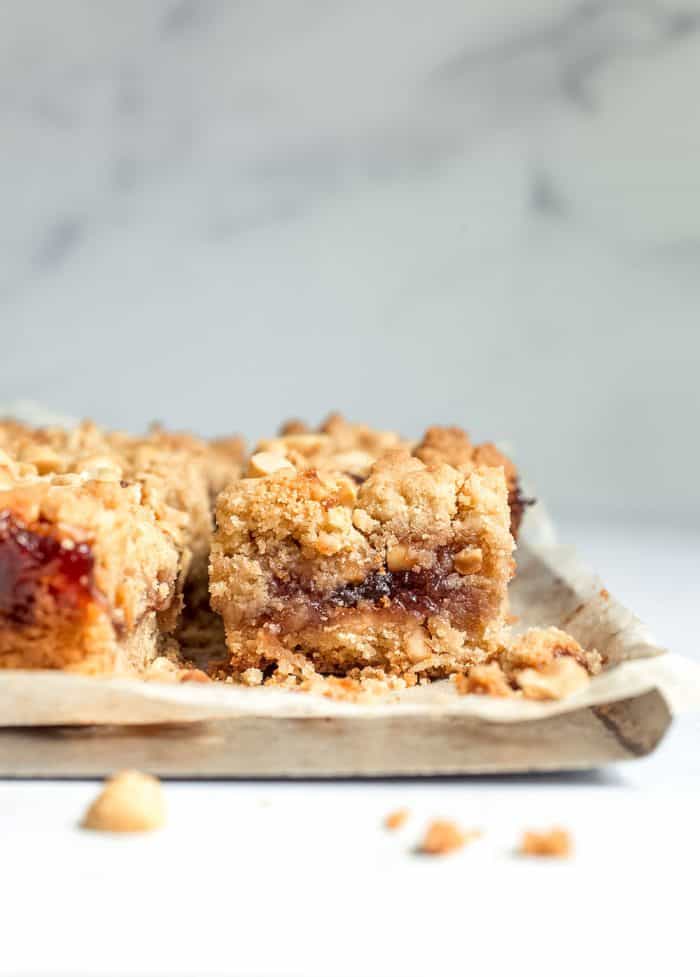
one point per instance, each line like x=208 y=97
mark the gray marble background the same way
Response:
x=223 y=213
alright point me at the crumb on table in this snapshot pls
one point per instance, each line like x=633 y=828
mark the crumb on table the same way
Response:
x=444 y=837
x=555 y=843
x=129 y=801
x=396 y=819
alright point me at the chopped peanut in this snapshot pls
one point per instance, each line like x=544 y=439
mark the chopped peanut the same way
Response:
x=555 y=843
x=130 y=801
x=444 y=837
x=396 y=819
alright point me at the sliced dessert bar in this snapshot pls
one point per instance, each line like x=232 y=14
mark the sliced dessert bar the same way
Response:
x=406 y=572
x=90 y=577
x=100 y=534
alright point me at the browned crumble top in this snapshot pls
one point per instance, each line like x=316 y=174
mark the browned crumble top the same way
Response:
x=341 y=445
x=555 y=843
x=445 y=837
x=396 y=819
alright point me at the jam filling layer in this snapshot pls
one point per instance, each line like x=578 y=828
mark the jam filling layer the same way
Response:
x=35 y=564
x=421 y=593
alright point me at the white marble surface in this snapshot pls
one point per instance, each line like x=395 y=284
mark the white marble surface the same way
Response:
x=222 y=213
x=300 y=880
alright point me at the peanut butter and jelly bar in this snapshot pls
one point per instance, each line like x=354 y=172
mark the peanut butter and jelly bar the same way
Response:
x=99 y=534
x=406 y=572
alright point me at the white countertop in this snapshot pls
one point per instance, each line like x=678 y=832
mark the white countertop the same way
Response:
x=301 y=879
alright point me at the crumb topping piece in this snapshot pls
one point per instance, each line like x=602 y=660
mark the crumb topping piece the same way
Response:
x=555 y=843
x=444 y=837
x=129 y=802
x=543 y=663
x=396 y=819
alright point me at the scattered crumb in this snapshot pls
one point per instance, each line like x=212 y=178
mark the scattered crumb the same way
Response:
x=555 y=843
x=167 y=669
x=396 y=819
x=542 y=663
x=605 y=593
x=444 y=837
x=484 y=680
x=252 y=676
x=556 y=680
x=129 y=801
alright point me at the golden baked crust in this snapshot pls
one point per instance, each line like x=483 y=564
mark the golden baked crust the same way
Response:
x=406 y=572
x=99 y=532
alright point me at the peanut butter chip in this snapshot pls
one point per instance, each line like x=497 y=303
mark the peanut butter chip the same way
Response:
x=129 y=802
x=267 y=462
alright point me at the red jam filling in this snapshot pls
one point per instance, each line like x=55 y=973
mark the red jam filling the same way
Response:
x=32 y=562
x=421 y=593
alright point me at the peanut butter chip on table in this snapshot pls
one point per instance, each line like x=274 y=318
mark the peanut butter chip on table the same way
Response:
x=555 y=843
x=129 y=802
x=444 y=837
